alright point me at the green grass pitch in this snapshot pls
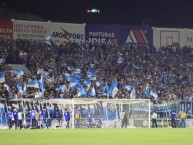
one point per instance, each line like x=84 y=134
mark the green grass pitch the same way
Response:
x=126 y=136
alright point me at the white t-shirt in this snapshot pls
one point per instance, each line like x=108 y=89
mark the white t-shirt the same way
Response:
x=20 y=116
x=154 y=116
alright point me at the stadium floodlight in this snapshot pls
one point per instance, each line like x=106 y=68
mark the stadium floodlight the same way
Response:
x=93 y=11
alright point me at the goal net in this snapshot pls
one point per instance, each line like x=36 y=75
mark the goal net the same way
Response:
x=113 y=113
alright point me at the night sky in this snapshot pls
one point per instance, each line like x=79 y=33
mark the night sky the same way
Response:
x=158 y=13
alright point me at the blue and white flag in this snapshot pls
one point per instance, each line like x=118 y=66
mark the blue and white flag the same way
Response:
x=114 y=92
x=73 y=82
x=91 y=75
x=19 y=73
x=61 y=88
x=7 y=87
x=41 y=83
x=107 y=88
x=128 y=87
x=146 y=91
x=163 y=78
x=25 y=90
x=135 y=66
x=113 y=85
x=133 y=94
x=48 y=40
x=120 y=60
x=92 y=92
x=19 y=86
x=153 y=93
x=81 y=91
x=41 y=71
x=2 y=77
x=33 y=84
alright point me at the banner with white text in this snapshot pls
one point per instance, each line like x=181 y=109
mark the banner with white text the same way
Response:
x=30 y=30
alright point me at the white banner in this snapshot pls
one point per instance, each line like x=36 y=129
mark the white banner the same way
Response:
x=169 y=37
x=189 y=123
x=30 y=30
x=63 y=32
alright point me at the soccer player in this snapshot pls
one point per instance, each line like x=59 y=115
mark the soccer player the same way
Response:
x=67 y=118
x=15 y=118
x=182 y=116
x=173 y=119
x=44 y=116
x=20 y=119
x=9 y=118
x=33 y=118
x=154 y=119
x=89 y=119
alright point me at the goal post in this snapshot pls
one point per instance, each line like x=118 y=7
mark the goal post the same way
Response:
x=110 y=113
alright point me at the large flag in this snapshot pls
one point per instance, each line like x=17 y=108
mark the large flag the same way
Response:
x=164 y=81
x=41 y=83
x=153 y=93
x=2 y=77
x=19 y=86
x=91 y=75
x=33 y=84
x=61 y=88
x=128 y=87
x=92 y=92
x=133 y=94
x=19 y=73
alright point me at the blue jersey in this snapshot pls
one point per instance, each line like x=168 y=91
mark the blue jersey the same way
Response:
x=67 y=115
x=89 y=118
x=15 y=116
x=9 y=115
x=33 y=114
x=173 y=115
x=43 y=114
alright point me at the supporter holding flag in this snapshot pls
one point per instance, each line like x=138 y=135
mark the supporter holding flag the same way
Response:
x=91 y=75
x=7 y=88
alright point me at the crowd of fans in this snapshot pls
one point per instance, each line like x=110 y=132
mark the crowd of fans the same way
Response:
x=139 y=66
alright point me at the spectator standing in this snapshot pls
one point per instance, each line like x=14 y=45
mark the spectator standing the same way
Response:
x=77 y=119
x=154 y=119
x=173 y=119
